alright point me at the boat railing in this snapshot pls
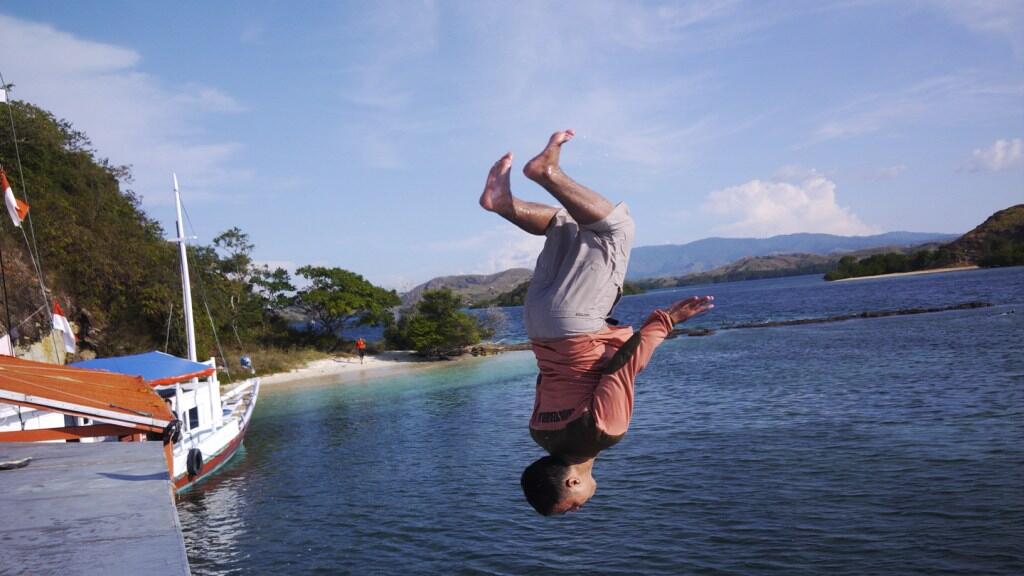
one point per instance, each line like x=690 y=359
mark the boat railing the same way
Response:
x=237 y=390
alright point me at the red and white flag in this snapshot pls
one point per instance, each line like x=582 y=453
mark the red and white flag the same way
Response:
x=60 y=322
x=16 y=208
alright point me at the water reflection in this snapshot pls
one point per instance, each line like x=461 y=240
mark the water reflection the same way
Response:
x=893 y=445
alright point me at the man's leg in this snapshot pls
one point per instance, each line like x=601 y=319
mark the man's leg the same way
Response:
x=532 y=217
x=582 y=203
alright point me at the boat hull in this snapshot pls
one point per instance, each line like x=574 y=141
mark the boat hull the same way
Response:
x=210 y=467
x=182 y=481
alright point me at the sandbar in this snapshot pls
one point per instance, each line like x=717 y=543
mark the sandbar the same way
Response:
x=915 y=273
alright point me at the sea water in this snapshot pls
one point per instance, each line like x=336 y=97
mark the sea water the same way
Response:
x=891 y=445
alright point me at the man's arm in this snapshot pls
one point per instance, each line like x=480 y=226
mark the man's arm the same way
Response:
x=683 y=310
x=613 y=396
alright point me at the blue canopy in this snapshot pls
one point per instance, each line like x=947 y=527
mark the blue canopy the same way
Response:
x=156 y=368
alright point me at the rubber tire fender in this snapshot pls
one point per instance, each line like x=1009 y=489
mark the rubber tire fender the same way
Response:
x=194 y=462
x=172 y=432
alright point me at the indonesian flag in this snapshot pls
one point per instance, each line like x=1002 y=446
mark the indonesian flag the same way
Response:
x=60 y=322
x=16 y=208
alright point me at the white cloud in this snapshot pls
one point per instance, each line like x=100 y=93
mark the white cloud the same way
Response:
x=529 y=72
x=954 y=99
x=881 y=111
x=1001 y=155
x=518 y=251
x=795 y=202
x=1001 y=19
x=501 y=248
x=888 y=172
x=131 y=117
x=252 y=33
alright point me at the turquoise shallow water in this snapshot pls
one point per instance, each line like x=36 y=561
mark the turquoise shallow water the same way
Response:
x=891 y=445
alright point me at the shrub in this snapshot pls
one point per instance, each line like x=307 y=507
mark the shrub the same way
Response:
x=436 y=327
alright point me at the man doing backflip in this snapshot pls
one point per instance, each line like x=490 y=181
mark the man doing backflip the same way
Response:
x=584 y=396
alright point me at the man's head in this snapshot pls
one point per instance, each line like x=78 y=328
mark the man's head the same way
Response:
x=552 y=485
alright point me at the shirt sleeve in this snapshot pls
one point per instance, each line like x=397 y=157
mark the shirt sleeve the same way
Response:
x=613 y=398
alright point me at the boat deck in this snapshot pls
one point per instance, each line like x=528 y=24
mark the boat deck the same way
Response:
x=89 y=508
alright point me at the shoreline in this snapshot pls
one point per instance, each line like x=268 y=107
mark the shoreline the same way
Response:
x=914 y=273
x=340 y=370
x=343 y=369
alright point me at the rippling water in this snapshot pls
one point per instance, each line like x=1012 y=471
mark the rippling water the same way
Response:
x=892 y=445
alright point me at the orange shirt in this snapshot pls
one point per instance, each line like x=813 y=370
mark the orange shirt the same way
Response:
x=571 y=381
x=361 y=344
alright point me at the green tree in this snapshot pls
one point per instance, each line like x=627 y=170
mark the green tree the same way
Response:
x=436 y=327
x=235 y=251
x=275 y=287
x=98 y=249
x=335 y=297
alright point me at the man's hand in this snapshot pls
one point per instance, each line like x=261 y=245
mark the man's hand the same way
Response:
x=683 y=310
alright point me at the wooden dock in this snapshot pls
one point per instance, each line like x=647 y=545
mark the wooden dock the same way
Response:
x=89 y=508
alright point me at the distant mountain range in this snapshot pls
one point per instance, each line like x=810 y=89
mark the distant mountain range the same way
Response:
x=474 y=288
x=999 y=241
x=775 y=266
x=709 y=253
x=732 y=257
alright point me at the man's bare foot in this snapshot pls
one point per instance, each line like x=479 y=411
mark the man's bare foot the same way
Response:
x=497 y=196
x=544 y=164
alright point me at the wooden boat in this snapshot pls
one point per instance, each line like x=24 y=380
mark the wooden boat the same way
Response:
x=211 y=425
x=201 y=426
x=63 y=403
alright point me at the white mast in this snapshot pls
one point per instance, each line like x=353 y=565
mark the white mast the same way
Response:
x=186 y=288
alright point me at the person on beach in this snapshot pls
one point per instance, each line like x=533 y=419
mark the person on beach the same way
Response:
x=587 y=364
x=361 y=349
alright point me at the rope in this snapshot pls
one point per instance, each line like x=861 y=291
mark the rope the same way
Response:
x=30 y=316
x=42 y=287
x=3 y=280
x=33 y=248
x=206 y=304
x=252 y=367
x=213 y=328
x=170 y=316
x=234 y=328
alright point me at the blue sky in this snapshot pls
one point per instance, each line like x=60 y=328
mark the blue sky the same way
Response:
x=359 y=134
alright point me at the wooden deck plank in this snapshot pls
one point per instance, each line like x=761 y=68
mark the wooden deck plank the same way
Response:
x=89 y=508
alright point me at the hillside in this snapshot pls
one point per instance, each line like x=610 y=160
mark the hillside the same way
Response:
x=108 y=263
x=752 y=268
x=710 y=253
x=473 y=288
x=995 y=238
x=998 y=241
x=776 y=266
x=517 y=296
x=103 y=258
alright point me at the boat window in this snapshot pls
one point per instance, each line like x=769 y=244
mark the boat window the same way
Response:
x=193 y=418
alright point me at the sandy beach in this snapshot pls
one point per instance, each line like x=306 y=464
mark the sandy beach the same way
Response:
x=340 y=370
x=917 y=273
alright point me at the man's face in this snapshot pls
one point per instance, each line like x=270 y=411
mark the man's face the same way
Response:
x=581 y=488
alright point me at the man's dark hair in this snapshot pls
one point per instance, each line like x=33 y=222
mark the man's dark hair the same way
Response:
x=543 y=483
